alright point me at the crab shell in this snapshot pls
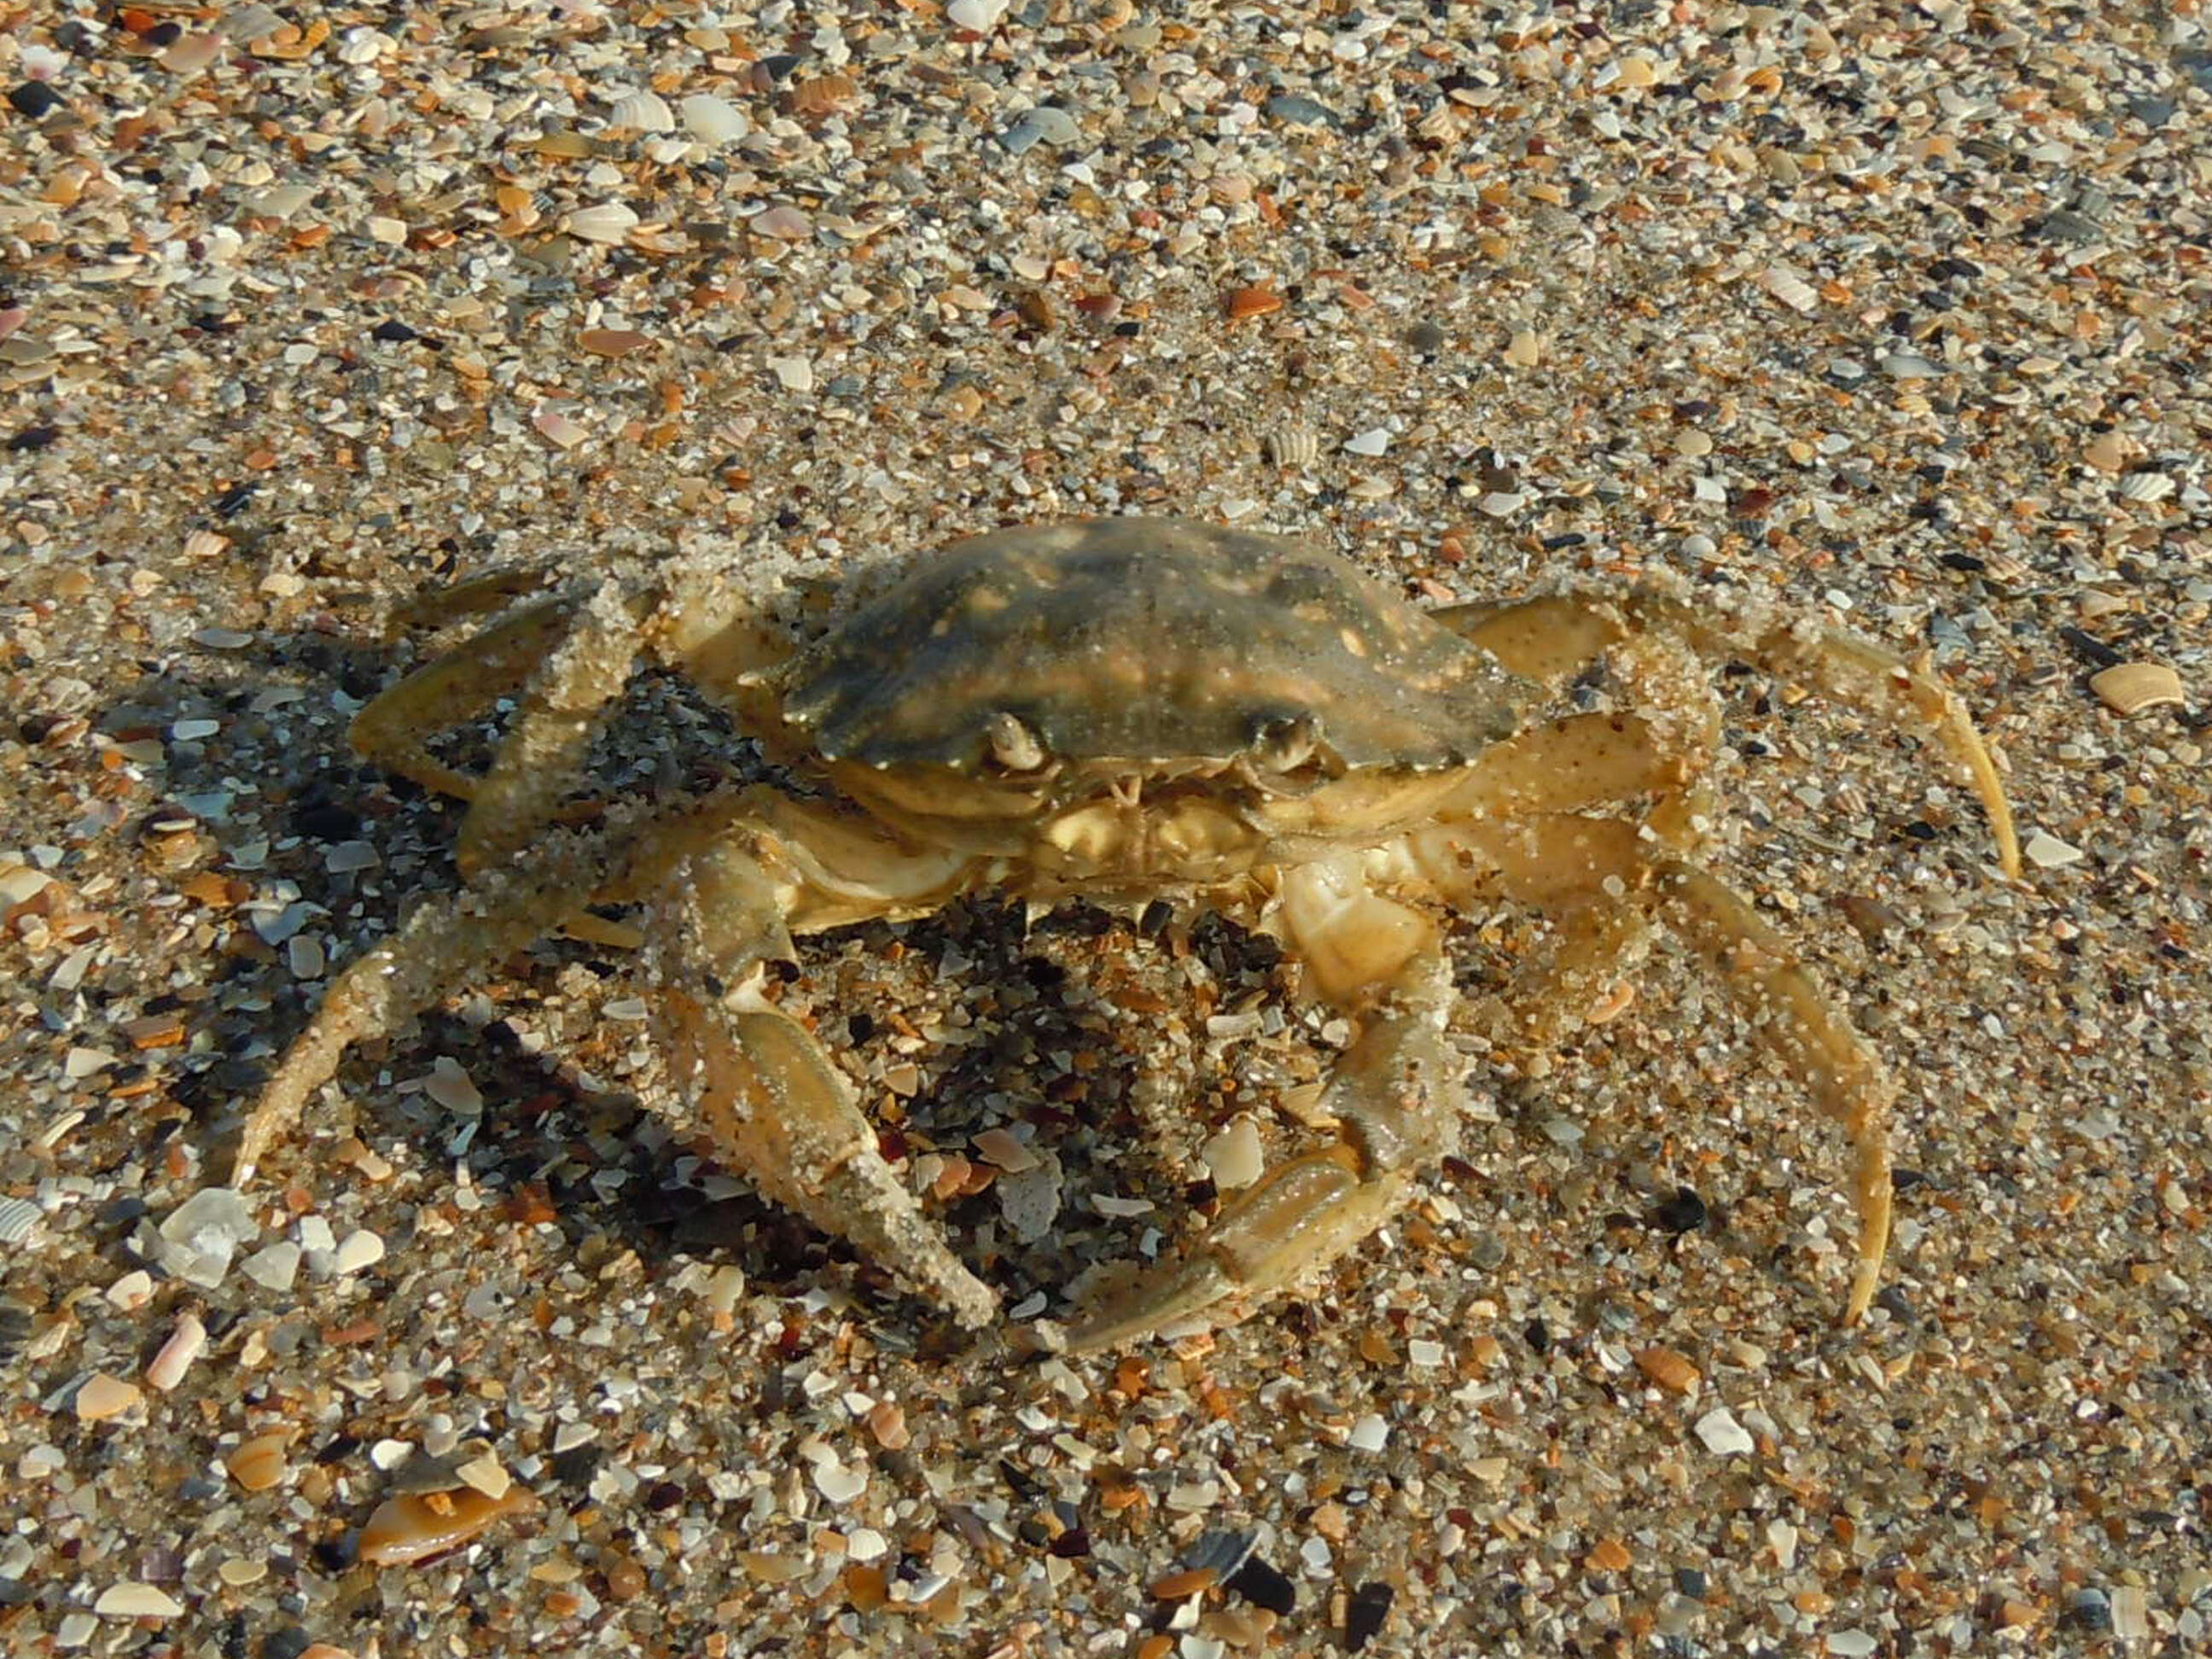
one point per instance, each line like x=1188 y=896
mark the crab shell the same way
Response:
x=1156 y=699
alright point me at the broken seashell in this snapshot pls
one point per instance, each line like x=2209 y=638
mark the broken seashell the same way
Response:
x=2128 y=688
x=643 y=111
x=419 y=1525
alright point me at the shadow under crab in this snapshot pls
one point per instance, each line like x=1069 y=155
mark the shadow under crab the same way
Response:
x=1128 y=711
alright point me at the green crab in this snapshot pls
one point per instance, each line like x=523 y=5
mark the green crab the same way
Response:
x=1129 y=710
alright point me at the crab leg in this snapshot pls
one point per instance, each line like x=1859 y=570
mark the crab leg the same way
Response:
x=1563 y=864
x=1578 y=761
x=1395 y=1095
x=446 y=941
x=1553 y=636
x=736 y=875
x=569 y=656
x=768 y=1097
x=391 y=729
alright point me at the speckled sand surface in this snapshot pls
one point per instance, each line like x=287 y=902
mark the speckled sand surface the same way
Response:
x=1895 y=312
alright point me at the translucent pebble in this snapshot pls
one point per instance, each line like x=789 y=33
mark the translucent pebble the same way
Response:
x=2047 y=852
x=202 y=1234
x=274 y=1268
x=449 y=1086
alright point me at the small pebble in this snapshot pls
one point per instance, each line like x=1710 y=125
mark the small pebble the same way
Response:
x=449 y=1086
x=785 y=223
x=1002 y=1149
x=202 y=1234
x=1044 y=124
x=33 y=100
x=643 y=110
x=610 y=222
x=485 y=1475
x=2130 y=1613
x=1232 y=1155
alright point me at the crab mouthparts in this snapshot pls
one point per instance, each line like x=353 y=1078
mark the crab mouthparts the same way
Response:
x=1187 y=834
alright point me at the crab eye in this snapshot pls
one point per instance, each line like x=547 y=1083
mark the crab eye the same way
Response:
x=1014 y=745
x=1285 y=743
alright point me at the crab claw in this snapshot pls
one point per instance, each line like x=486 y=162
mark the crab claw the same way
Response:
x=1302 y=1217
x=1394 y=1095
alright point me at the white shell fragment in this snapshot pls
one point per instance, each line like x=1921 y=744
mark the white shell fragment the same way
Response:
x=360 y=1249
x=2047 y=852
x=1723 y=1436
x=137 y=1601
x=713 y=121
x=1233 y=1156
x=644 y=112
x=18 y=1216
x=1292 y=446
x=1787 y=286
x=838 y=1484
x=610 y=222
x=979 y=16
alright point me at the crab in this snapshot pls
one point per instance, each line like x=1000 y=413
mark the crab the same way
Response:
x=1128 y=710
